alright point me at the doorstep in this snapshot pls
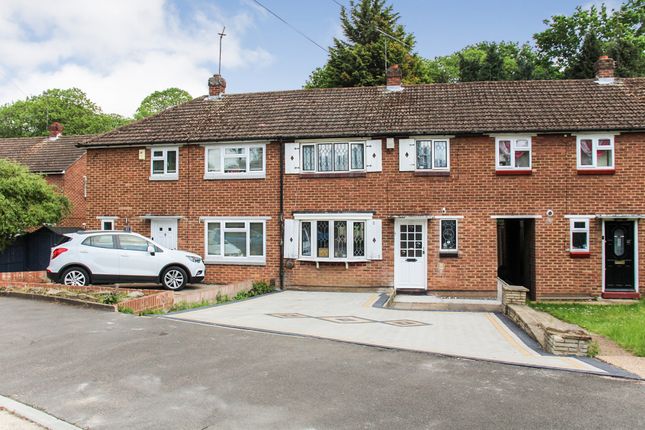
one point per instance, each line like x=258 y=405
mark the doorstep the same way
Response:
x=621 y=295
x=436 y=303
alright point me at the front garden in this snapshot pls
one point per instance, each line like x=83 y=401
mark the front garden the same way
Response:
x=622 y=323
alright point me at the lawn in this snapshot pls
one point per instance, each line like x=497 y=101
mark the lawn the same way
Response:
x=624 y=324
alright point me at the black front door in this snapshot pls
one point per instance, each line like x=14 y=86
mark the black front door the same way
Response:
x=619 y=255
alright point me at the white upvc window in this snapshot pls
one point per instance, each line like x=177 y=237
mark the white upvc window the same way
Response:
x=332 y=240
x=433 y=154
x=595 y=152
x=333 y=157
x=235 y=240
x=448 y=235
x=107 y=222
x=513 y=153
x=579 y=236
x=230 y=161
x=164 y=163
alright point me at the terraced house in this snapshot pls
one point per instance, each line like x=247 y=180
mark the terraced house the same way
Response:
x=441 y=188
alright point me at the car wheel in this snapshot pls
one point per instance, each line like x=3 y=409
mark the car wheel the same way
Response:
x=174 y=278
x=75 y=276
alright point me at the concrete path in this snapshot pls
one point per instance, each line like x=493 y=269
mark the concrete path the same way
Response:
x=351 y=317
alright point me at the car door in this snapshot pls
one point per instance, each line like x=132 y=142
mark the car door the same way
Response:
x=100 y=255
x=135 y=262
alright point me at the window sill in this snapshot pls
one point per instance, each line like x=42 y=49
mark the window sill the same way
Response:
x=163 y=177
x=449 y=255
x=513 y=172
x=579 y=254
x=338 y=260
x=234 y=262
x=432 y=173
x=225 y=176
x=596 y=171
x=318 y=175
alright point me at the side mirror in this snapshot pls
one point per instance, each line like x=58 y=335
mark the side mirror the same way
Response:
x=151 y=250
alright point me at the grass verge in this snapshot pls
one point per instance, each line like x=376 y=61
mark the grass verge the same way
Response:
x=624 y=324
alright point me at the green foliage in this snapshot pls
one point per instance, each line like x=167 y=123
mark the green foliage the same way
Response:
x=583 y=67
x=26 y=201
x=593 y=349
x=360 y=59
x=111 y=298
x=126 y=310
x=624 y=324
x=567 y=42
x=160 y=101
x=71 y=107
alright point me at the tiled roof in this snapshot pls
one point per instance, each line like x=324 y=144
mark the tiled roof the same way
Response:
x=42 y=155
x=462 y=108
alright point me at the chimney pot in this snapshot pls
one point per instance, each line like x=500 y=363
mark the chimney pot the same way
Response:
x=55 y=130
x=216 y=85
x=605 y=67
x=394 y=76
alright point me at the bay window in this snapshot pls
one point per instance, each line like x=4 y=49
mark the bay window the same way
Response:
x=595 y=152
x=164 y=163
x=333 y=157
x=235 y=161
x=342 y=240
x=238 y=241
x=513 y=153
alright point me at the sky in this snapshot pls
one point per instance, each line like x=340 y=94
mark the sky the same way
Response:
x=119 y=51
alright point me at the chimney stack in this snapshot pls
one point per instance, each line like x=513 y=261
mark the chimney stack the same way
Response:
x=394 y=76
x=55 y=130
x=605 y=67
x=216 y=86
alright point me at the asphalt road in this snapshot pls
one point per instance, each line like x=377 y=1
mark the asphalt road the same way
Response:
x=113 y=371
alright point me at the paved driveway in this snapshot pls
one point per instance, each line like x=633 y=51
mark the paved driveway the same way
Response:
x=352 y=317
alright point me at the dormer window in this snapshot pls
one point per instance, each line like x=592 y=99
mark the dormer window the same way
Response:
x=595 y=154
x=513 y=154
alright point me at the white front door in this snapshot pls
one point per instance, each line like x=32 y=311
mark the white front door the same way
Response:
x=164 y=232
x=410 y=259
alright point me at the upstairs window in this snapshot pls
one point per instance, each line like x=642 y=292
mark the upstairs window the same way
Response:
x=595 y=153
x=333 y=157
x=513 y=154
x=579 y=238
x=164 y=163
x=231 y=161
x=432 y=155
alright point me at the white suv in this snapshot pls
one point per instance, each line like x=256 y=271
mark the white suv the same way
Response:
x=101 y=257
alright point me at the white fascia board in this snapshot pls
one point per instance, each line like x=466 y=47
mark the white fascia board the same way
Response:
x=580 y=216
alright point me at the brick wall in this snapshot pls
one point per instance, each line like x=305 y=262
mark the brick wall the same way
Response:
x=71 y=184
x=472 y=190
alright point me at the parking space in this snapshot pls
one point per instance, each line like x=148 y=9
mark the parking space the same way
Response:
x=352 y=317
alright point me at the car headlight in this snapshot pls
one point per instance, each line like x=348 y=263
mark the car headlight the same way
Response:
x=194 y=259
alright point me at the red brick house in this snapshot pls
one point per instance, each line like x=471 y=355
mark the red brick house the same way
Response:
x=440 y=188
x=60 y=161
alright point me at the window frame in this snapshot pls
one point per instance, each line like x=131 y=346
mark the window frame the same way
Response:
x=165 y=176
x=350 y=144
x=245 y=260
x=432 y=168
x=573 y=229
x=595 y=138
x=247 y=173
x=449 y=252
x=331 y=257
x=514 y=149
x=107 y=219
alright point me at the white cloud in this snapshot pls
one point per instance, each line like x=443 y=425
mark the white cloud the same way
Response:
x=117 y=51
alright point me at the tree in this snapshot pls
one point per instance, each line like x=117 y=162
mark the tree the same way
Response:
x=26 y=201
x=160 y=101
x=583 y=65
x=71 y=107
x=360 y=59
x=619 y=31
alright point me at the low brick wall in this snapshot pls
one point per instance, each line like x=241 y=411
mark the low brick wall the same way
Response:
x=512 y=294
x=40 y=276
x=210 y=292
x=566 y=343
